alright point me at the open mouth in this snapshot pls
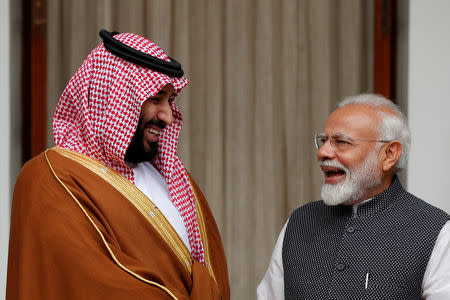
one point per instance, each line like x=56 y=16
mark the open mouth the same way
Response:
x=153 y=131
x=333 y=174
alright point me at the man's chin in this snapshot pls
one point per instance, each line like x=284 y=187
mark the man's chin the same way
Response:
x=138 y=155
x=336 y=193
x=149 y=153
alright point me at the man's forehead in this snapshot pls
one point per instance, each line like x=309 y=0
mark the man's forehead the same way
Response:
x=357 y=121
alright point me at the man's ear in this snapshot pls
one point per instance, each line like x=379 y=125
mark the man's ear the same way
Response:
x=392 y=152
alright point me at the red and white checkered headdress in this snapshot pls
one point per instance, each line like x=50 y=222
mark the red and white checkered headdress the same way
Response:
x=98 y=113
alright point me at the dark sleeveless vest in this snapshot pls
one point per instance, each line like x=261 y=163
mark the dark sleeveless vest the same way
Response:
x=379 y=253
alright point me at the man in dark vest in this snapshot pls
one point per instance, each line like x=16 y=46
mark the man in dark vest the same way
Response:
x=368 y=238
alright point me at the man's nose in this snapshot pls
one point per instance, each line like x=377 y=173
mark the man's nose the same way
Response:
x=165 y=113
x=326 y=151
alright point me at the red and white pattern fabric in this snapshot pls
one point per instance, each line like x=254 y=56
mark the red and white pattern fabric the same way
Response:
x=98 y=113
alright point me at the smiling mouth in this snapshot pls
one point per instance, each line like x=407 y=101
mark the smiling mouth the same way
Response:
x=153 y=131
x=333 y=174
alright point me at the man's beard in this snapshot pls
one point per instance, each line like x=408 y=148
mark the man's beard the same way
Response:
x=358 y=181
x=136 y=152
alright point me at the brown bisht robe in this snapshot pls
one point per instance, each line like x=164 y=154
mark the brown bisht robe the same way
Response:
x=80 y=230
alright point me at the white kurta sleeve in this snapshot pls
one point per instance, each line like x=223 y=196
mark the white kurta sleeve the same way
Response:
x=436 y=280
x=272 y=285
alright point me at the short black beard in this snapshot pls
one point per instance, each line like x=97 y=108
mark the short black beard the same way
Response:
x=136 y=152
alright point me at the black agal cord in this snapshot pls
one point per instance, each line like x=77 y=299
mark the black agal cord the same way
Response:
x=130 y=54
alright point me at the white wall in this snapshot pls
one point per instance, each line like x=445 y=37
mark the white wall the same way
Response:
x=5 y=96
x=429 y=101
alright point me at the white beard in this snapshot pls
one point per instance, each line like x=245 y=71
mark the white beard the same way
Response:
x=357 y=181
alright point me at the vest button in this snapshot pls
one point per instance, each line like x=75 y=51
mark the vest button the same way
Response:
x=350 y=229
x=340 y=267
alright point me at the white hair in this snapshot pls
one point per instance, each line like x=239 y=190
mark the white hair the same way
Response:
x=392 y=126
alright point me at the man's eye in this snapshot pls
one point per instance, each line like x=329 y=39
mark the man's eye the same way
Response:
x=342 y=142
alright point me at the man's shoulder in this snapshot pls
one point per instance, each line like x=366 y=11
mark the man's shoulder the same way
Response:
x=39 y=175
x=310 y=208
x=318 y=204
x=412 y=204
x=40 y=165
x=34 y=169
x=35 y=186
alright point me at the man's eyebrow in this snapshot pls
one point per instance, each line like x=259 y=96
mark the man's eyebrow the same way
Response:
x=157 y=95
x=338 y=135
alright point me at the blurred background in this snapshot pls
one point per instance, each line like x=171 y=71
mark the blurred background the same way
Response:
x=264 y=76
